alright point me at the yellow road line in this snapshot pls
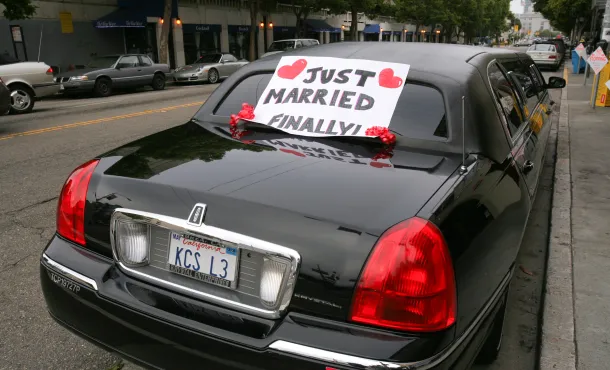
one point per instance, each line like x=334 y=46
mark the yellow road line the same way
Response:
x=99 y=120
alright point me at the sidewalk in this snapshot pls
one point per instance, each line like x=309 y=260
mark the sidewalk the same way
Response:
x=576 y=321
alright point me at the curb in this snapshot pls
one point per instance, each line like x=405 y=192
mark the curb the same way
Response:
x=558 y=348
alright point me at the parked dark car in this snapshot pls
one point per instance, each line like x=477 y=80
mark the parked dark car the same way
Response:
x=103 y=74
x=5 y=98
x=342 y=263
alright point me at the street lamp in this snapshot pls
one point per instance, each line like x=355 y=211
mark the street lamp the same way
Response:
x=262 y=25
x=270 y=25
x=423 y=35
x=438 y=36
x=178 y=21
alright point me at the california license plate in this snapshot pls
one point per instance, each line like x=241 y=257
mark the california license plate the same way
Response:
x=203 y=259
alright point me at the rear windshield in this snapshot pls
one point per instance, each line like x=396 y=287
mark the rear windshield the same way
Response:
x=542 y=47
x=419 y=114
x=281 y=46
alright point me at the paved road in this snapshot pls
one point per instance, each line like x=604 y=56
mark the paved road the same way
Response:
x=38 y=151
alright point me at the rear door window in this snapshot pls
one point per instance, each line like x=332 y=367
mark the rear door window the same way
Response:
x=420 y=112
x=527 y=86
x=507 y=97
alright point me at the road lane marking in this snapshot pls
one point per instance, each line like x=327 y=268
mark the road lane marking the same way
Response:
x=99 y=120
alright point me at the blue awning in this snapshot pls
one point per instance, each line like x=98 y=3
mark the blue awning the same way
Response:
x=122 y=18
x=371 y=28
x=318 y=25
x=201 y=27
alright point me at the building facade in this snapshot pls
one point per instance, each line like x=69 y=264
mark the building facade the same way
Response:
x=68 y=34
x=533 y=22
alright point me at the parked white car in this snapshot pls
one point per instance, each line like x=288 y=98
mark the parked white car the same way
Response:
x=545 y=55
x=27 y=82
x=280 y=46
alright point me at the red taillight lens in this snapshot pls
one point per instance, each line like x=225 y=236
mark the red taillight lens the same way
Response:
x=408 y=282
x=71 y=205
x=552 y=56
x=50 y=71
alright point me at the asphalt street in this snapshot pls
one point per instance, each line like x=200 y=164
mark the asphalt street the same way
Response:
x=39 y=150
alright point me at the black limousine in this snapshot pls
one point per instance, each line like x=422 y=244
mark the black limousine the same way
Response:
x=219 y=245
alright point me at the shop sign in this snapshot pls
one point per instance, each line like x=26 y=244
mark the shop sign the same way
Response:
x=16 y=32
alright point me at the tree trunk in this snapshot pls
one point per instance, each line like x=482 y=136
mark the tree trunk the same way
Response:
x=254 y=6
x=417 y=39
x=163 y=40
x=353 y=30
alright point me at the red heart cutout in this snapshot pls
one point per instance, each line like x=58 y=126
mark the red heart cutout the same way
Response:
x=379 y=165
x=387 y=79
x=298 y=154
x=289 y=72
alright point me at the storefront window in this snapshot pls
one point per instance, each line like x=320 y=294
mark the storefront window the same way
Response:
x=239 y=42
x=284 y=33
x=386 y=36
x=371 y=37
x=409 y=37
x=142 y=40
x=200 y=39
x=335 y=36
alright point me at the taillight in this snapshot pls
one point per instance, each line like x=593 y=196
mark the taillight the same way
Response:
x=552 y=56
x=408 y=282
x=50 y=71
x=71 y=205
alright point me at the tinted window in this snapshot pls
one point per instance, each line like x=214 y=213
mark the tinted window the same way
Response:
x=145 y=61
x=524 y=81
x=281 y=46
x=537 y=75
x=419 y=114
x=209 y=58
x=128 y=61
x=506 y=96
x=229 y=58
x=299 y=44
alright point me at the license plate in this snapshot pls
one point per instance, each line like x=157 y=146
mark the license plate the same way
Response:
x=203 y=259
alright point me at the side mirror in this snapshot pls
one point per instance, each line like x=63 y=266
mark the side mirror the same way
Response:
x=556 y=83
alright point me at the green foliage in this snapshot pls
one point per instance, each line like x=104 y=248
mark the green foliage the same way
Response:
x=563 y=14
x=18 y=9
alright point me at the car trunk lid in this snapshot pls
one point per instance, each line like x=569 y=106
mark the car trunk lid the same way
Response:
x=327 y=200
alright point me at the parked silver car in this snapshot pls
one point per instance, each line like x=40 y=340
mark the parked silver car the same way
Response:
x=103 y=74
x=210 y=67
x=27 y=81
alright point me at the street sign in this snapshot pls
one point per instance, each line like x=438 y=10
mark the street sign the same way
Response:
x=597 y=60
x=581 y=50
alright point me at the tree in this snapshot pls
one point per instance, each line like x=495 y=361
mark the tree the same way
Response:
x=420 y=12
x=564 y=14
x=163 y=39
x=18 y=9
x=302 y=9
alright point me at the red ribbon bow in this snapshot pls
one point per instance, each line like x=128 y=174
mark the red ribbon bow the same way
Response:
x=246 y=112
x=383 y=133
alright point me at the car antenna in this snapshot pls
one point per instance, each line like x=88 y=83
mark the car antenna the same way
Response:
x=463 y=167
x=40 y=43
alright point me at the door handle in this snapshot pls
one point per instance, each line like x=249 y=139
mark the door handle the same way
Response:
x=139 y=70
x=528 y=166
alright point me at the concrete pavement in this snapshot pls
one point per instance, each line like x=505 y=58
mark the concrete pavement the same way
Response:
x=575 y=332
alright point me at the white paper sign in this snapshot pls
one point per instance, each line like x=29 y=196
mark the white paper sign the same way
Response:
x=608 y=83
x=304 y=148
x=580 y=50
x=322 y=96
x=598 y=60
